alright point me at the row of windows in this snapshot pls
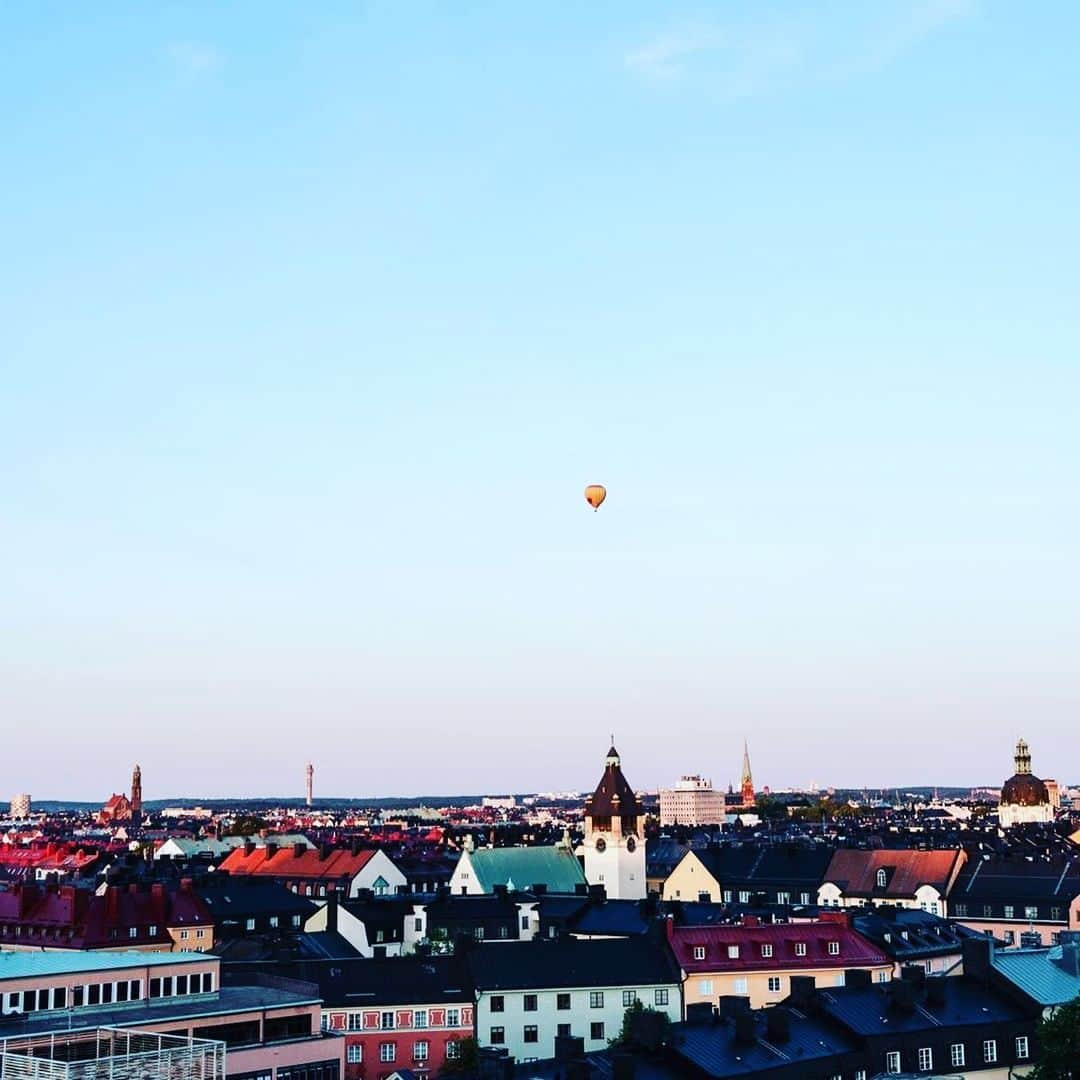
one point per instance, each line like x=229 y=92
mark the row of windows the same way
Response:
x=734 y=951
x=530 y=1002
x=958 y=1055
x=1008 y=911
x=58 y=997
x=179 y=985
x=421 y=1051
x=388 y=1019
x=530 y=1033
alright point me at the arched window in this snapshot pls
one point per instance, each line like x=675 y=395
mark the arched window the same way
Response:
x=881 y=879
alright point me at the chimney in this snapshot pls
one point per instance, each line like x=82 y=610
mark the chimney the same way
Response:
x=332 y=911
x=133 y=888
x=913 y=973
x=158 y=889
x=271 y=849
x=751 y=920
x=298 y=849
x=859 y=977
x=1069 y=961
x=978 y=954
x=597 y=894
x=777 y=1024
x=745 y=1028
x=935 y=990
x=249 y=846
x=902 y=995
x=803 y=991
x=185 y=885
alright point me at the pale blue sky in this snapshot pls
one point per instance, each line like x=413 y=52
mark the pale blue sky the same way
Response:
x=316 y=319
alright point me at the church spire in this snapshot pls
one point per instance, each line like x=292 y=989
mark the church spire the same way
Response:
x=1022 y=758
x=746 y=786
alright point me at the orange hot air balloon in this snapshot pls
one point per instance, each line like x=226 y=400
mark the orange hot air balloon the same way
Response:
x=595 y=494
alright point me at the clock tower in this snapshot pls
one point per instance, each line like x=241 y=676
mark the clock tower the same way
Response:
x=614 y=847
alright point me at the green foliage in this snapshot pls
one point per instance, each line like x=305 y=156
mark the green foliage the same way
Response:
x=248 y=825
x=643 y=1029
x=468 y=1053
x=1058 y=1039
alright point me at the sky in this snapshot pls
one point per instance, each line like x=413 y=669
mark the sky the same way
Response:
x=316 y=319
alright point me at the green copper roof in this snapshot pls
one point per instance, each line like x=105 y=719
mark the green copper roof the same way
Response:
x=22 y=965
x=1039 y=973
x=523 y=867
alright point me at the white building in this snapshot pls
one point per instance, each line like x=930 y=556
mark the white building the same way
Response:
x=20 y=807
x=692 y=801
x=614 y=847
x=528 y=993
x=1024 y=797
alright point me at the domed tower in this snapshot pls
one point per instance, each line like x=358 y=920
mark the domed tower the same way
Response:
x=1024 y=797
x=614 y=847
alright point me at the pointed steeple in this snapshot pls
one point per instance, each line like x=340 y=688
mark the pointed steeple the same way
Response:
x=746 y=785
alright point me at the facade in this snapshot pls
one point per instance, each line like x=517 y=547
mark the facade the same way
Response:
x=526 y=994
x=692 y=801
x=905 y=879
x=397 y=1014
x=20 y=807
x=782 y=875
x=1018 y=900
x=1024 y=797
x=315 y=872
x=613 y=851
x=757 y=963
x=272 y=1029
x=51 y=917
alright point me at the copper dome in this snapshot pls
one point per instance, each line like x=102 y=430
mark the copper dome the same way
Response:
x=1024 y=789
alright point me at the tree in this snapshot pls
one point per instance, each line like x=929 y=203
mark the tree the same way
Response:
x=644 y=1030
x=467 y=1055
x=1058 y=1038
x=248 y=825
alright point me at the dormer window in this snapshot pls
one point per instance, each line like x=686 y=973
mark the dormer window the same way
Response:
x=834 y=948
x=766 y=951
x=699 y=952
x=882 y=879
x=800 y=948
x=733 y=952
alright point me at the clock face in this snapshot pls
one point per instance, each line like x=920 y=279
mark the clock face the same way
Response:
x=631 y=844
x=601 y=844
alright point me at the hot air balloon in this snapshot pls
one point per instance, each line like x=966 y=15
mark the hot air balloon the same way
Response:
x=595 y=494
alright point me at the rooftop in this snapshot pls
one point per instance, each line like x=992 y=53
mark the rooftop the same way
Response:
x=23 y=965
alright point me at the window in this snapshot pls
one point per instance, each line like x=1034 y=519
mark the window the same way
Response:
x=774 y=984
x=562 y=1001
x=453 y=1050
x=804 y=898
x=860 y=1074
x=504 y=931
x=498 y=1003
x=892 y=1061
x=181 y=984
x=1009 y=911
x=386 y=1021
x=956 y=1054
x=497 y=1036
x=354 y=1021
x=1021 y=1047
x=660 y=997
x=596 y=999
x=420 y=1050
x=563 y=1029
x=744 y=896
x=727 y=896
x=882 y=879
x=453 y=1017
x=133 y=931
x=274 y=920
x=76 y=998
x=699 y=952
x=800 y=948
x=354 y=1053
x=296 y=920
x=741 y=986
x=380 y=936
x=1009 y=937
x=783 y=897
x=152 y=931
x=733 y=952
x=628 y=998
x=121 y=991
x=705 y=987
x=60 y=996
x=596 y=1031
x=529 y=1003
x=926 y=1058
x=530 y=1033
x=834 y=948
x=960 y=910
x=207 y=982
x=419 y=1018
x=990 y=1050
x=93 y=993
x=387 y=1052
x=1031 y=912
x=766 y=951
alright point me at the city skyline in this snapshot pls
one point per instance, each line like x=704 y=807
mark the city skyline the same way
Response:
x=315 y=327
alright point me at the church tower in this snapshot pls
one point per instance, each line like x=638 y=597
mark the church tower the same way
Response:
x=614 y=847
x=746 y=786
x=136 y=793
x=1022 y=758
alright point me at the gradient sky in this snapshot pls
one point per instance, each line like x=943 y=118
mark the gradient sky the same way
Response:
x=315 y=319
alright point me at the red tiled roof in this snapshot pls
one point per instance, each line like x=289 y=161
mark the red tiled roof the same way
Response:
x=290 y=862
x=855 y=872
x=853 y=949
